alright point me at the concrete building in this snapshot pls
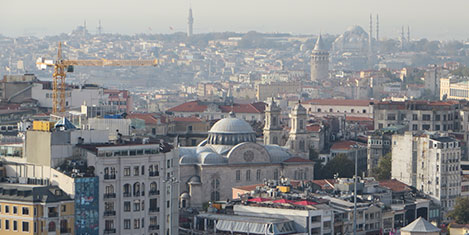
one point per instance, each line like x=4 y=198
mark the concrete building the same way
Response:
x=277 y=89
x=16 y=88
x=429 y=162
x=418 y=115
x=319 y=62
x=35 y=209
x=138 y=187
x=379 y=144
x=231 y=157
x=335 y=107
x=453 y=91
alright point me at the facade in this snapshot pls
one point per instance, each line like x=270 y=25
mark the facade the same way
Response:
x=273 y=130
x=119 y=100
x=231 y=157
x=418 y=115
x=379 y=144
x=334 y=107
x=319 y=62
x=138 y=187
x=298 y=140
x=431 y=163
x=35 y=209
x=453 y=91
x=276 y=89
x=465 y=178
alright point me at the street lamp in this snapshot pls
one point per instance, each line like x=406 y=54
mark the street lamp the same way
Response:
x=355 y=147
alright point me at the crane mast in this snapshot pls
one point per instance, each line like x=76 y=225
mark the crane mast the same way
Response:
x=61 y=67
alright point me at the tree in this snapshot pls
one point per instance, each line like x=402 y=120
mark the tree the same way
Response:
x=383 y=171
x=460 y=213
x=314 y=156
x=341 y=165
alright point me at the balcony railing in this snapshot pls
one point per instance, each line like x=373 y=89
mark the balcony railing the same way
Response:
x=157 y=209
x=65 y=230
x=109 y=230
x=53 y=214
x=109 y=177
x=154 y=227
x=127 y=194
x=109 y=213
x=154 y=173
x=110 y=195
x=154 y=192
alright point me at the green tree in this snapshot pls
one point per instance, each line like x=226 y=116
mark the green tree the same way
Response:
x=460 y=213
x=314 y=156
x=339 y=164
x=383 y=171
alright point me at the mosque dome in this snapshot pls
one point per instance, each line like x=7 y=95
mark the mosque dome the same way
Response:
x=231 y=131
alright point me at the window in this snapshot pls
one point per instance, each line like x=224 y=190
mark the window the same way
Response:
x=137 y=205
x=25 y=226
x=415 y=117
x=127 y=190
x=415 y=127
x=380 y=126
x=15 y=225
x=136 y=170
x=258 y=175
x=25 y=211
x=437 y=117
x=426 y=127
x=426 y=117
x=127 y=206
x=126 y=224
x=248 y=175
x=127 y=171
x=391 y=117
x=143 y=170
x=15 y=210
x=7 y=209
x=238 y=176
x=7 y=224
x=136 y=223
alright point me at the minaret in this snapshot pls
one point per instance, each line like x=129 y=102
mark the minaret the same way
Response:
x=190 y=23
x=319 y=61
x=370 y=44
x=377 y=27
x=298 y=138
x=408 y=33
x=100 y=28
x=272 y=127
x=402 y=38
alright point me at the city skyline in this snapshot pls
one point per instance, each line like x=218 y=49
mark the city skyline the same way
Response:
x=301 y=17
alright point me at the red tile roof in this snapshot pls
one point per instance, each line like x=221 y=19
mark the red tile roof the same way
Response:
x=197 y=106
x=192 y=106
x=395 y=185
x=338 y=102
x=345 y=145
x=149 y=118
x=325 y=183
x=297 y=159
x=314 y=128
x=239 y=108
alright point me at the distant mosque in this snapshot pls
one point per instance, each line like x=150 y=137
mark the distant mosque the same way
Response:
x=231 y=157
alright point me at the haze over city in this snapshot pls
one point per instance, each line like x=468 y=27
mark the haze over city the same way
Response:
x=430 y=19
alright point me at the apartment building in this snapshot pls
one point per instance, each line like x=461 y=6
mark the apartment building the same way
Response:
x=429 y=162
x=35 y=209
x=138 y=187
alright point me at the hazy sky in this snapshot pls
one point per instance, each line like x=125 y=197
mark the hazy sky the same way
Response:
x=433 y=19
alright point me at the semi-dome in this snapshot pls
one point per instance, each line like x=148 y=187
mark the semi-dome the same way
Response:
x=231 y=125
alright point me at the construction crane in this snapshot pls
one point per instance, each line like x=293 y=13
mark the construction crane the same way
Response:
x=62 y=66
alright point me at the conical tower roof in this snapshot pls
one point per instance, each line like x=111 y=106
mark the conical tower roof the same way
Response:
x=319 y=46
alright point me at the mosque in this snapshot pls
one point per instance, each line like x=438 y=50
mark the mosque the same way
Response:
x=231 y=157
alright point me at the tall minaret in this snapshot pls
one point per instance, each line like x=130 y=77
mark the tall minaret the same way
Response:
x=319 y=61
x=377 y=27
x=272 y=127
x=370 y=44
x=408 y=33
x=190 y=23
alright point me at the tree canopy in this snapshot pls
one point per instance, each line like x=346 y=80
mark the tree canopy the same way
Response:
x=383 y=171
x=460 y=213
x=339 y=164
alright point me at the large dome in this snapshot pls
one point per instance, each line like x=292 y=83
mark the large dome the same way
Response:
x=231 y=131
x=231 y=126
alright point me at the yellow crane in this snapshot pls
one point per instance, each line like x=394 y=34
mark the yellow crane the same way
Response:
x=62 y=66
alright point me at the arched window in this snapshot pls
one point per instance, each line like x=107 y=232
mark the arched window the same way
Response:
x=127 y=190
x=258 y=174
x=106 y=171
x=153 y=187
x=215 y=195
x=275 y=140
x=301 y=124
x=274 y=121
x=51 y=227
x=248 y=175
x=137 y=189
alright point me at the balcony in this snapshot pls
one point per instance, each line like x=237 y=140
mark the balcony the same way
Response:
x=154 y=192
x=154 y=227
x=127 y=194
x=53 y=214
x=154 y=173
x=109 y=177
x=109 y=213
x=109 y=231
x=109 y=195
x=65 y=230
x=157 y=209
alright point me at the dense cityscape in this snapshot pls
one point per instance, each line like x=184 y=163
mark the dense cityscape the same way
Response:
x=234 y=133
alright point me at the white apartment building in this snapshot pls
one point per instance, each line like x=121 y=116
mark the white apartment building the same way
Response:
x=431 y=163
x=138 y=188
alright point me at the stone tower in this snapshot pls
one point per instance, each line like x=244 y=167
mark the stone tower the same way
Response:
x=319 y=62
x=272 y=127
x=298 y=138
x=190 y=23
